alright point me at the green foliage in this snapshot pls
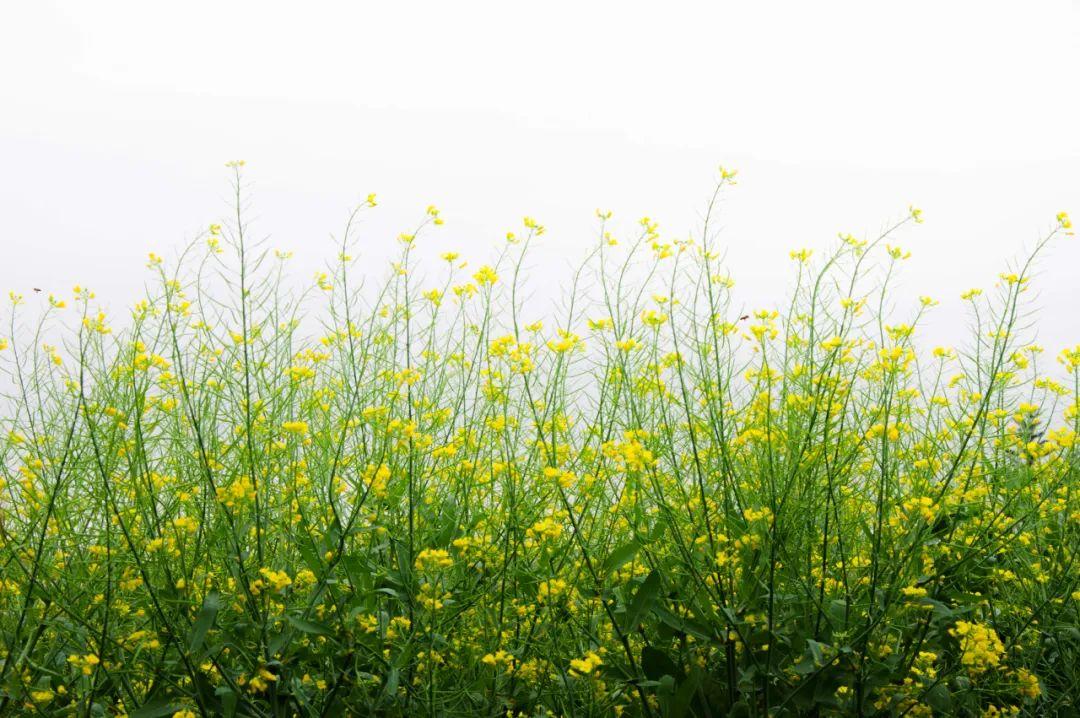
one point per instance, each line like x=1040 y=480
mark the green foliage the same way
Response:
x=651 y=507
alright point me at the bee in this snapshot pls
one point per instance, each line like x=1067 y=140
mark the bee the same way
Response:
x=37 y=289
x=744 y=317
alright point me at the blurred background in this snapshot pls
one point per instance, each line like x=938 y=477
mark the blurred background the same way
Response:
x=116 y=120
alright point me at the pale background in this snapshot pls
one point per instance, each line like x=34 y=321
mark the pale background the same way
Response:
x=116 y=119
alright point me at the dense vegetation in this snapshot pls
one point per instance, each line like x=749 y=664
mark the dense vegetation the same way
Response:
x=644 y=504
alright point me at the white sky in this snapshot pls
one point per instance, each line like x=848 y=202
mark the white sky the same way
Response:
x=116 y=119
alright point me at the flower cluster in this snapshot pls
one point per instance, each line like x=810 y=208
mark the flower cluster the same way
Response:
x=418 y=492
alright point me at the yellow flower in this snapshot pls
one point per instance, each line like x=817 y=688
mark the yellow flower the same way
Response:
x=85 y=663
x=1029 y=683
x=43 y=696
x=295 y=427
x=565 y=478
x=261 y=681
x=980 y=647
x=653 y=318
x=752 y=514
x=552 y=590
x=408 y=377
x=431 y=597
x=913 y=592
x=971 y=294
x=497 y=658
x=585 y=666
x=533 y=225
x=566 y=342
x=486 y=276
x=299 y=373
x=279 y=580
x=239 y=491
x=897 y=252
x=433 y=559
x=599 y=325
x=1070 y=358
x=545 y=529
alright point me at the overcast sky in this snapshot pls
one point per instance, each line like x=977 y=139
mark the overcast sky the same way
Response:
x=116 y=119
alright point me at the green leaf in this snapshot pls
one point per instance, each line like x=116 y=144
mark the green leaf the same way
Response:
x=683 y=625
x=309 y=554
x=229 y=701
x=684 y=695
x=620 y=556
x=277 y=643
x=390 y=688
x=449 y=523
x=404 y=563
x=157 y=708
x=356 y=571
x=643 y=601
x=209 y=611
x=836 y=610
x=740 y=710
x=656 y=664
x=939 y=698
x=306 y=626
